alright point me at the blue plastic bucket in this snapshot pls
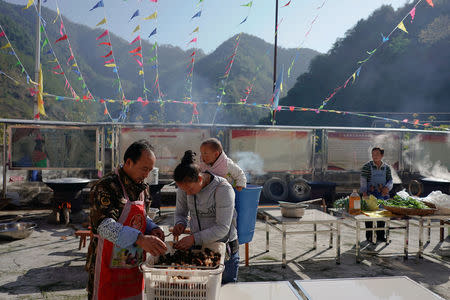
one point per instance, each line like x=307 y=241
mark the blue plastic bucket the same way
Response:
x=246 y=204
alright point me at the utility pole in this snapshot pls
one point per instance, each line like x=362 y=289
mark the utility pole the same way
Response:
x=37 y=58
x=275 y=57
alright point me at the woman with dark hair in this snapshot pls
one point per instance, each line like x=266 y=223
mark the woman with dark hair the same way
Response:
x=209 y=200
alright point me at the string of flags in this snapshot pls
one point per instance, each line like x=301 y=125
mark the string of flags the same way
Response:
x=111 y=63
x=224 y=81
x=384 y=39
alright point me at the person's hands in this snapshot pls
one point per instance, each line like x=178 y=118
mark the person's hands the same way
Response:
x=178 y=229
x=152 y=244
x=185 y=243
x=384 y=191
x=158 y=232
x=239 y=188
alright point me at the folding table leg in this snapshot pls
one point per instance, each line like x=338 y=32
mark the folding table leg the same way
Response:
x=429 y=230
x=419 y=254
x=331 y=235
x=406 y=238
x=267 y=234
x=315 y=236
x=358 y=257
x=338 y=243
x=246 y=254
x=283 y=246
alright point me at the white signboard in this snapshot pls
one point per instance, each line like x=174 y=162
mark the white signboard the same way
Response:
x=169 y=143
x=275 y=150
x=351 y=150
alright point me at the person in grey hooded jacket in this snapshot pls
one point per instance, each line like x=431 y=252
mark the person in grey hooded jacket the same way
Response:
x=209 y=200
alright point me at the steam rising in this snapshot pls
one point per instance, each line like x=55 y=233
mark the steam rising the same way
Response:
x=416 y=156
x=250 y=162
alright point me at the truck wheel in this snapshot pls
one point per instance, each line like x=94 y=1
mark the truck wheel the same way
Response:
x=275 y=189
x=299 y=190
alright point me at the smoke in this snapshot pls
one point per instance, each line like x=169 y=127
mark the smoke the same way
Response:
x=415 y=156
x=390 y=142
x=250 y=162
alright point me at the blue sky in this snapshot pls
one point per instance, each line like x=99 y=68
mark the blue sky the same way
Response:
x=220 y=19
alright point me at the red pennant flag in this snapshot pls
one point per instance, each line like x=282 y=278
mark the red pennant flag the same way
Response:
x=107 y=55
x=64 y=37
x=193 y=53
x=135 y=50
x=102 y=100
x=193 y=40
x=291 y=108
x=109 y=61
x=57 y=67
x=105 y=112
x=430 y=2
x=137 y=54
x=195 y=111
x=102 y=35
x=2 y=34
x=105 y=43
x=416 y=122
x=70 y=58
x=37 y=116
x=62 y=73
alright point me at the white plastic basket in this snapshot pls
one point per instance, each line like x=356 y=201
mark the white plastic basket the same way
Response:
x=174 y=284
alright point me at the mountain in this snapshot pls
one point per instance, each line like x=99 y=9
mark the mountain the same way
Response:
x=252 y=65
x=408 y=73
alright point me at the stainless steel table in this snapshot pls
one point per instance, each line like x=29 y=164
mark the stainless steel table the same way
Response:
x=362 y=218
x=443 y=222
x=367 y=288
x=271 y=290
x=315 y=217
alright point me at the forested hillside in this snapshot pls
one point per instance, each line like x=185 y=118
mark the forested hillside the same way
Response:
x=408 y=73
x=253 y=64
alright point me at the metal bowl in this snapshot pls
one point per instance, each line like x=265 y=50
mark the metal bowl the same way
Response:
x=293 y=211
x=16 y=230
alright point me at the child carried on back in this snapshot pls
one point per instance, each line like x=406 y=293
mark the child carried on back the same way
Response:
x=214 y=160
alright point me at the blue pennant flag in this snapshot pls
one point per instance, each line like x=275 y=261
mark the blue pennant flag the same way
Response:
x=136 y=13
x=99 y=4
x=197 y=14
x=153 y=32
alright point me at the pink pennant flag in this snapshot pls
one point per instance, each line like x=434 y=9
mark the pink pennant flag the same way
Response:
x=2 y=34
x=430 y=2
x=105 y=43
x=70 y=58
x=61 y=73
x=193 y=40
x=109 y=61
x=109 y=54
x=291 y=108
x=137 y=54
x=57 y=67
x=413 y=13
x=154 y=1
x=287 y=4
x=102 y=35
x=405 y=121
x=139 y=99
x=61 y=28
x=193 y=53
x=416 y=122
x=64 y=37
x=138 y=38
x=137 y=60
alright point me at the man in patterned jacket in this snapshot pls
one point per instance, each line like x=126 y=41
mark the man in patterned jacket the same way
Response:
x=122 y=230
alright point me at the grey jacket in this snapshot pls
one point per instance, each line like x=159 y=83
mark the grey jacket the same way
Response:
x=216 y=213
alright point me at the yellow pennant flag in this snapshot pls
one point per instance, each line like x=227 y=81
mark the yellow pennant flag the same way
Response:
x=101 y=22
x=40 y=98
x=152 y=16
x=57 y=15
x=354 y=77
x=195 y=30
x=141 y=72
x=74 y=65
x=30 y=2
x=110 y=65
x=6 y=46
x=137 y=28
x=402 y=26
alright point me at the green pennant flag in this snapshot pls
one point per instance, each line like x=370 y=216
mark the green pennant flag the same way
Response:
x=154 y=46
x=79 y=78
x=45 y=43
x=152 y=59
x=248 y=4
x=83 y=85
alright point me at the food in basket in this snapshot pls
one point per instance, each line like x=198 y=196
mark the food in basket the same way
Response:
x=408 y=202
x=205 y=258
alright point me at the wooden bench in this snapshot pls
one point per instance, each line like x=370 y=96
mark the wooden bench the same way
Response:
x=83 y=234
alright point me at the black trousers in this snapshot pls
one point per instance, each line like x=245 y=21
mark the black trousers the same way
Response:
x=380 y=233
